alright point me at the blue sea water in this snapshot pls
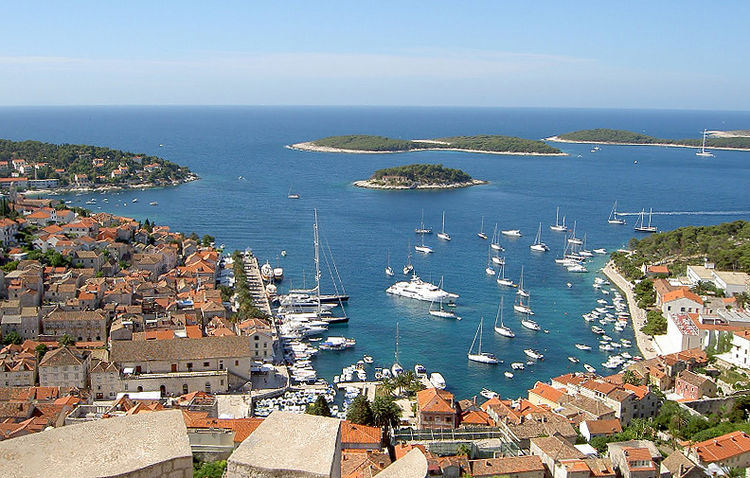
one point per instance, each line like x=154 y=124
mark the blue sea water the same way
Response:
x=360 y=226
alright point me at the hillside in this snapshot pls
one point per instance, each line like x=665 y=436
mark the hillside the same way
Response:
x=618 y=136
x=418 y=176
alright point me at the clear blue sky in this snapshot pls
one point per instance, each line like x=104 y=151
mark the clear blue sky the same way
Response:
x=632 y=54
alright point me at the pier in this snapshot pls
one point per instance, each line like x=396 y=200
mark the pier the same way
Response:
x=255 y=283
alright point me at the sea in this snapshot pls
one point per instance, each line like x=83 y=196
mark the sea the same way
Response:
x=246 y=173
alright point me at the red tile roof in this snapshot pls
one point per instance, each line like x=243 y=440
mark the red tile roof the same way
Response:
x=723 y=447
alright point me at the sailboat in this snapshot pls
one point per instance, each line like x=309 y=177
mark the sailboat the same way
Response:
x=640 y=226
x=703 y=153
x=557 y=226
x=521 y=291
x=422 y=229
x=481 y=357
x=408 y=268
x=422 y=248
x=489 y=270
x=538 y=245
x=481 y=233
x=573 y=239
x=613 y=219
x=502 y=329
x=442 y=234
x=388 y=270
x=396 y=368
x=502 y=280
x=583 y=251
x=520 y=306
x=291 y=195
x=495 y=242
x=441 y=312
x=496 y=259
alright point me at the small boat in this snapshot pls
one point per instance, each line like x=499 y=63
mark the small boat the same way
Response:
x=283 y=253
x=481 y=357
x=568 y=285
x=589 y=368
x=419 y=370
x=583 y=347
x=640 y=226
x=442 y=234
x=573 y=239
x=502 y=329
x=367 y=359
x=557 y=227
x=291 y=195
x=511 y=232
x=153 y=203
x=495 y=242
x=530 y=324
x=613 y=219
x=538 y=245
x=388 y=269
x=489 y=270
x=488 y=394
x=703 y=153
x=266 y=271
x=278 y=273
x=422 y=229
x=600 y=251
x=573 y=359
x=597 y=330
x=534 y=354
x=517 y=366
x=508 y=374
x=134 y=200
x=481 y=233
x=437 y=380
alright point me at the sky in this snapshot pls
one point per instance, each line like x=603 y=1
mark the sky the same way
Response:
x=626 y=54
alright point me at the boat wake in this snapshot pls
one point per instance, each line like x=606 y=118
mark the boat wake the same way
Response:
x=686 y=213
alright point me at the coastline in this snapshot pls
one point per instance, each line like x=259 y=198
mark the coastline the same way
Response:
x=369 y=184
x=312 y=147
x=637 y=315
x=557 y=139
x=108 y=188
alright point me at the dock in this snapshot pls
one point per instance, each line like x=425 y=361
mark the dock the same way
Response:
x=255 y=283
x=367 y=388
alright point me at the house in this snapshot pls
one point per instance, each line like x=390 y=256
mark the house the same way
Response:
x=357 y=464
x=543 y=394
x=680 y=466
x=83 y=326
x=538 y=424
x=732 y=283
x=693 y=386
x=600 y=428
x=635 y=458
x=681 y=301
x=22 y=320
x=88 y=259
x=552 y=450
x=360 y=437
x=105 y=380
x=628 y=401
x=513 y=467
x=656 y=270
x=436 y=409
x=64 y=367
x=731 y=450
x=8 y=231
x=18 y=367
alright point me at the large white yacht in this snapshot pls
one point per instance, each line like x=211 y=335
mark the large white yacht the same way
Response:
x=418 y=289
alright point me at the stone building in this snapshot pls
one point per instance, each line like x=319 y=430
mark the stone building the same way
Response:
x=64 y=367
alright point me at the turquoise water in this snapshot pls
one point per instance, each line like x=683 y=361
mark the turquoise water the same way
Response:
x=359 y=226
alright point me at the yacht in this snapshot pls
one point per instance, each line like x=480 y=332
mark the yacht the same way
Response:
x=557 y=227
x=500 y=261
x=422 y=229
x=488 y=394
x=600 y=251
x=512 y=232
x=583 y=347
x=502 y=329
x=489 y=270
x=416 y=288
x=703 y=153
x=481 y=233
x=481 y=357
x=441 y=312
x=408 y=268
x=508 y=374
x=495 y=242
x=530 y=324
x=502 y=280
x=589 y=368
x=613 y=219
x=291 y=195
x=423 y=249
x=437 y=380
x=442 y=234
x=641 y=226
x=573 y=239
x=534 y=354
x=538 y=245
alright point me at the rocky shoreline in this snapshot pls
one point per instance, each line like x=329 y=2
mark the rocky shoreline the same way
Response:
x=370 y=184
x=311 y=146
x=557 y=139
x=108 y=188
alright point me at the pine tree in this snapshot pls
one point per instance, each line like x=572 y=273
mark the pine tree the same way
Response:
x=360 y=411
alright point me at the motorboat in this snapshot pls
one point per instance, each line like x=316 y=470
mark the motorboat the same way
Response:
x=530 y=324
x=536 y=355
x=600 y=251
x=508 y=374
x=442 y=234
x=437 y=380
x=278 y=273
x=420 y=371
x=517 y=366
x=502 y=329
x=574 y=359
x=511 y=232
x=589 y=368
x=488 y=394
x=367 y=359
x=266 y=271
x=583 y=347
x=479 y=356
x=418 y=289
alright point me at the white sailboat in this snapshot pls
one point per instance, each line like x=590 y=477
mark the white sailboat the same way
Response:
x=502 y=280
x=481 y=357
x=481 y=233
x=502 y=329
x=396 y=368
x=538 y=245
x=573 y=239
x=521 y=291
x=422 y=229
x=520 y=306
x=495 y=242
x=442 y=234
x=291 y=195
x=613 y=219
x=489 y=270
x=422 y=248
x=640 y=226
x=703 y=153
x=496 y=259
x=408 y=268
x=557 y=227
x=440 y=311
x=388 y=269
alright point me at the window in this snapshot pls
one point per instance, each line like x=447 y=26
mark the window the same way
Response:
x=184 y=388
x=256 y=337
x=208 y=387
x=236 y=363
x=205 y=364
x=190 y=365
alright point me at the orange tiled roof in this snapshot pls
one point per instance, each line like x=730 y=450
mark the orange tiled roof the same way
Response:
x=435 y=400
x=359 y=434
x=546 y=391
x=682 y=294
x=723 y=447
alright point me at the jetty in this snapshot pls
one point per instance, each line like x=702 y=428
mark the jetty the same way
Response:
x=255 y=283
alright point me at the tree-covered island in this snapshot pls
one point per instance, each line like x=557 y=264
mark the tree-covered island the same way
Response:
x=46 y=166
x=491 y=144
x=418 y=176
x=623 y=137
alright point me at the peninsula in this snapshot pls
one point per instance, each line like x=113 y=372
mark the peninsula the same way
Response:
x=63 y=167
x=717 y=140
x=488 y=144
x=419 y=176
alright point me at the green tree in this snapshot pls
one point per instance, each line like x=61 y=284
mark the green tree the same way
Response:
x=360 y=411
x=629 y=377
x=40 y=350
x=385 y=412
x=12 y=337
x=656 y=324
x=66 y=340
x=319 y=407
x=207 y=240
x=645 y=293
x=213 y=469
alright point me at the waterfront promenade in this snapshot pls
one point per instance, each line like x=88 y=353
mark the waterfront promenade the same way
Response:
x=637 y=315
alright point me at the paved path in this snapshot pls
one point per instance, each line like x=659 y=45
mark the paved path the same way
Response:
x=637 y=315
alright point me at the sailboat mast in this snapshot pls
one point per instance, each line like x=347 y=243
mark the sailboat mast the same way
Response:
x=475 y=338
x=396 y=354
x=480 y=336
x=443 y=229
x=316 y=243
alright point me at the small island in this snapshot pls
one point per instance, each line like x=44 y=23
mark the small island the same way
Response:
x=732 y=140
x=42 y=166
x=488 y=144
x=419 y=176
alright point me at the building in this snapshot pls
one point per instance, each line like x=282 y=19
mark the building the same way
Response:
x=105 y=380
x=552 y=450
x=18 y=367
x=436 y=409
x=83 y=325
x=679 y=466
x=22 y=320
x=739 y=355
x=693 y=386
x=681 y=301
x=731 y=450
x=543 y=394
x=635 y=458
x=732 y=283
x=513 y=467
x=64 y=367
x=360 y=437
x=599 y=428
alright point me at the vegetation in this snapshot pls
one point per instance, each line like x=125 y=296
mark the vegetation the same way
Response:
x=720 y=345
x=727 y=245
x=360 y=411
x=247 y=306
x=414 y=175
x=656 y=323
x=40 y=350
x=12 y=337
x=488 y=143
x=684 y=426
x=603 y=135
x=639 y=429
x=385 y=412
x=319 y=407
x=66 y=340
x=214 y=469
x=405 y=382
x=77 y=159
x=645 y=294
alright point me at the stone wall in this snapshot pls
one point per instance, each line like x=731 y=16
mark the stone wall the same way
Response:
x=175 y=468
